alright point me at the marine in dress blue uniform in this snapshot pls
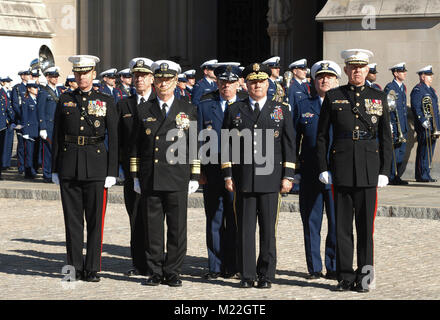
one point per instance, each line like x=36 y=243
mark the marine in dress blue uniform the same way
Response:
x=313 y=195
x=396 y=89
x=18 y=93
x=6 y=132
x=371 y=77
x=207 y=84
x=257 y=191
x=221 y=226
x=29 y=121
x=425 y=126
x=47 y=100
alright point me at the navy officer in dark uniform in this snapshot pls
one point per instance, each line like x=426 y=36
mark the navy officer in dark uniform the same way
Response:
x=313 y=195
x=127 y=110
x=264 y=128
x=396 y=91
x=426 y=123
x=220 y=220
x=82 y=165
x=358 y=118
x=165 y=166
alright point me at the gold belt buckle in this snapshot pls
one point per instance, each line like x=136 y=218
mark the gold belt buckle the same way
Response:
x=356 y=134
x=81 y=140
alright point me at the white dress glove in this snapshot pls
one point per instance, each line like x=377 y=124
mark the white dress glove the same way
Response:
x=55 y=179
x=391 y=126
x=109 y=182
x=26 y=137
x=426 y=124
x=43 y=134
x=193 y=186
x=325 y=177
x=297 y=178
x=383 y=181
x=136 y=185
x=121 y=177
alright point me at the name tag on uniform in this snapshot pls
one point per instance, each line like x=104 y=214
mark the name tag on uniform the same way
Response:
x=307 y=115
x=128 y=115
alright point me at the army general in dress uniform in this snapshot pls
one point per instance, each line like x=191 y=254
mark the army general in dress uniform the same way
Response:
x=82 y=165
x=258 y=184
x=359 y=162
x=164 y=173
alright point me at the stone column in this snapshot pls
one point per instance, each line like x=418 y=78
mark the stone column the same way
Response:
x=278 y=16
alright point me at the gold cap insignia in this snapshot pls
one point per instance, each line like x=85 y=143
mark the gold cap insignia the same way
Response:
x=256 y=67
x=164 y=67
x=324 y=66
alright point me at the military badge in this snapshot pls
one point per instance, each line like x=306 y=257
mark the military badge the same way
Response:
x=182 y=121
x=97 y=124
x=97 y=108
x=277 y=114
x=256 y=67
x=308 y=115
x=373 y=107
x=148 y=132
x=70 y=104
x=374 y=119
x=164 y=67
x=180 y=133
x=341 y=101
x=150 y=119
x=276 y=134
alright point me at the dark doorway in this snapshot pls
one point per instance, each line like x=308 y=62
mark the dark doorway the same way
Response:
x=242 y=31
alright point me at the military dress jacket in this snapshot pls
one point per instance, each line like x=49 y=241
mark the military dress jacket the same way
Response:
x=127 y=113
x=401 y=107
x=361 y=148
x=82 y=120
x=273 y=116
x=418 y=93
x=148 y=156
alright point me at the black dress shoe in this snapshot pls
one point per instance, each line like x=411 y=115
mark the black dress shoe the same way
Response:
x=314 y=276
x=228 y=275
x=135 y=272
x=92 y=276
x=358 y=287
x=423 y=180
x=344 y=285
x=432 y=180
x=263 y=283
x=47 y=180
x=154 y=280
x=174 y=281
x=211 y=275
x=79 y=276
x=331 y=275
x=245 y=284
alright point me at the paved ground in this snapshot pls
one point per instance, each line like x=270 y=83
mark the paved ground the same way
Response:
x=32 y=254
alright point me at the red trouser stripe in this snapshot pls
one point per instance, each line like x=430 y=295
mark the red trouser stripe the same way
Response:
x=104 y=207
x=374 y=219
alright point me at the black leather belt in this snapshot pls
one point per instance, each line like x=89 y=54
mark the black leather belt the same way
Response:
x=355 y=135
x=81 y=140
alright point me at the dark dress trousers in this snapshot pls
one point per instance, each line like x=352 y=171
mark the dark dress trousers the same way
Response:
x=360 y=152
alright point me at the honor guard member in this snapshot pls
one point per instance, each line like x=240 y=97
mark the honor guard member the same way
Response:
x=18 y=93
x=82 y=165
x=276 y=91
x=207 y=84
x=109 y=85
x=6 y=120
x=180 y=91
x=71 y=84
x=359 y=163
x=29 y=121
x=371 y=77
x=127 y=110
x=396 y=91
x=424 y=105
x=218 y=202
x=298 y=89
x=164 y=175
x=47 y=101
x=126 y=85
x=191 y=77
x=313 y=195
x=9 y=134
x=258 y=185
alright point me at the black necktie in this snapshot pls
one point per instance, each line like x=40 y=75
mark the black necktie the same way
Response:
x=256 y=109
x=164 y=111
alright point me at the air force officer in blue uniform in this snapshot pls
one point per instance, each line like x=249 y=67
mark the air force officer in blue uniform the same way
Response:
x=220 y=222
x=314 y=195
